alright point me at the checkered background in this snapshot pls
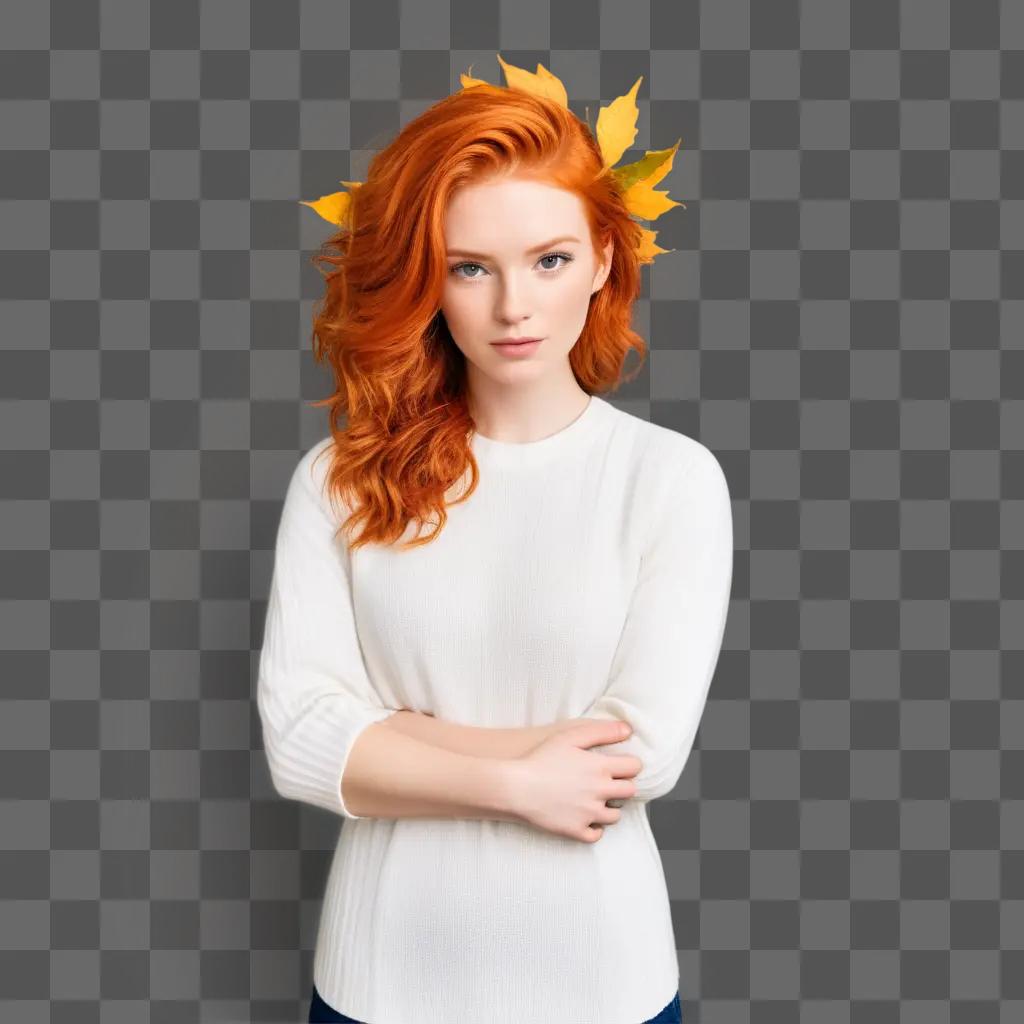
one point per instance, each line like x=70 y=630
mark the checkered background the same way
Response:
x=841 y=323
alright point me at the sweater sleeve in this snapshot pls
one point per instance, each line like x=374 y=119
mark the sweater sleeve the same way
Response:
x=670 y=642
x=313 y=692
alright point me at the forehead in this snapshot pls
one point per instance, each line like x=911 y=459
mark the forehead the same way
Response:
x=511 y=215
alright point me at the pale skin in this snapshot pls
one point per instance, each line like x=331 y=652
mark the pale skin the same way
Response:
x=537 y=759
x=544 y=776
x=505 y=279
x=478 y=742
x=497 y=287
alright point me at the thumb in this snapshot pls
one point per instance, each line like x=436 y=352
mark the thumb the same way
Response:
x=616 y=730
x=598 y=732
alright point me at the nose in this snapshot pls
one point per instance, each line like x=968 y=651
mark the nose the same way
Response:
x=512 y=304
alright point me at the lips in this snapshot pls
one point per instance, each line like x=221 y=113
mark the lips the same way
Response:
x=520 y=348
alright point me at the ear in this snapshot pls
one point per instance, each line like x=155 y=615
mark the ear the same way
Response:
x=604 y=267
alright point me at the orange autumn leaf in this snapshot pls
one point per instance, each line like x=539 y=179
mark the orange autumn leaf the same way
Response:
x=467 y=81
x=648 y=203
x=647 y=249
x=650 y=168
x=615 y=133
x=541 y=83
x=642 y=199
x=616 y=125
x=334 y=208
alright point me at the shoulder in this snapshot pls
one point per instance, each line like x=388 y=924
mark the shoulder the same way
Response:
x=315 y=463
x=307 y=493
x=673 y=462
x=693 y=508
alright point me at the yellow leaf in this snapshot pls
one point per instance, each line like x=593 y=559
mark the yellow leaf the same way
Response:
x=468 y=81
x=543 y=83
x=647 y=203
x=662 y=167
x=647 y=249
x=333 y=208
x=650 y=168
x=616 y=125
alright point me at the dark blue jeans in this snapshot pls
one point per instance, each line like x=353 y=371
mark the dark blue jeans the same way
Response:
x=323 y=1013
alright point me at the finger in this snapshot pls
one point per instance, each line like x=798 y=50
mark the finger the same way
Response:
x=609 y=816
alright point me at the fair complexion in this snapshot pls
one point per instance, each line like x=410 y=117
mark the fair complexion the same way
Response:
x=520 y=262
x=560 y=786
x=522 y=754
x=477 y=741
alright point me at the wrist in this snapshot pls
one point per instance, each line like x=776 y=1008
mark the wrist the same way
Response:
x=538 y=734
x=506 y=787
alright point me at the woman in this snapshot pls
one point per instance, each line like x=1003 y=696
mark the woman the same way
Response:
x=577 y=576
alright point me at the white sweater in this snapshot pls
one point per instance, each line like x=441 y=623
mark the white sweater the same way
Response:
x=587 y=576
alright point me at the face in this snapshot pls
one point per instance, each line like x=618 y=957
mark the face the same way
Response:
x=520 y=263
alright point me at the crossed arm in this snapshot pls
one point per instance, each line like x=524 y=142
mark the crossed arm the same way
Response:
x=662 y=669
x=315 y=697
x=501 y=744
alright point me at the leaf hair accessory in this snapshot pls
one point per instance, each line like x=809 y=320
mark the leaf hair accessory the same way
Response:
x=616 y=130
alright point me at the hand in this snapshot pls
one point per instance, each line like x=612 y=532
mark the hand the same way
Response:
x=543 y=732
x=537 y=734
x=561 y=786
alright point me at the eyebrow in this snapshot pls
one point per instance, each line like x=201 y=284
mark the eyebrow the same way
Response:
x=536 y=248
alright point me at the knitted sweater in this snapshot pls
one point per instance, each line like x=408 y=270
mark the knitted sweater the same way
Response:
x=588 y=575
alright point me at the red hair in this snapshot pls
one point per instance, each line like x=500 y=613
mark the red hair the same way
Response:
x=399 y=378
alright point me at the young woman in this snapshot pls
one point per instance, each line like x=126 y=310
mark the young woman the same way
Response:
x=457 y=697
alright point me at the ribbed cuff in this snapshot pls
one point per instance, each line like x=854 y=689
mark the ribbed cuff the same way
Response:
x=308 y=763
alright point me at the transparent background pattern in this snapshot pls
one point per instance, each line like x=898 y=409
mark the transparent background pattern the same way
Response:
x=841 y=324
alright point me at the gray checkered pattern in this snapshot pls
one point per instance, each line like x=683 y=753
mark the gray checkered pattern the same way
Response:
x=841 y=324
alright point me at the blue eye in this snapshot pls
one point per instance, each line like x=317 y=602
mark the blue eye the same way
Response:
x=454 y=270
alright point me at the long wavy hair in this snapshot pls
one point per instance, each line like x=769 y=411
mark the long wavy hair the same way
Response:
x=400 y=380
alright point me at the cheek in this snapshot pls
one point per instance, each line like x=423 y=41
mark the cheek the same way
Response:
x=569 y=301
x=463 y=305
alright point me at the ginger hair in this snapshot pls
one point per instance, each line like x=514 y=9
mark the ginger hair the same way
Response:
x=399 y=378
